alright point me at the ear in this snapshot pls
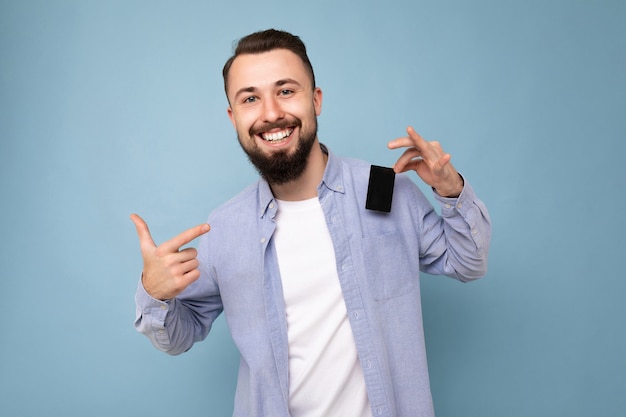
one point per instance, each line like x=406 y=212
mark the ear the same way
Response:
x=317 y=100
x=231 y=116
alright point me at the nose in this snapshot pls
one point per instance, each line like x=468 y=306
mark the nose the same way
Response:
x=272 y=110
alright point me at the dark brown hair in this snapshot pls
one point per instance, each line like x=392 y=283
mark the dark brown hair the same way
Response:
x=265 y=41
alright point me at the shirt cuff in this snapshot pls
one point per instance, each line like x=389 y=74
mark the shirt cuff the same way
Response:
x=145 y=302
x=458 y=205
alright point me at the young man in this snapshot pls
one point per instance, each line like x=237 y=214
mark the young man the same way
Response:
x=321 y=295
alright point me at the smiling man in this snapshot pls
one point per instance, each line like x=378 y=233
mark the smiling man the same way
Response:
x=321 y=295
x=276 y=118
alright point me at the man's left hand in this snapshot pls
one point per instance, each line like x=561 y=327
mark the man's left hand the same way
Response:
x=429 y=161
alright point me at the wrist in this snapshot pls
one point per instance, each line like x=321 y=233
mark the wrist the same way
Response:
x=452 y=190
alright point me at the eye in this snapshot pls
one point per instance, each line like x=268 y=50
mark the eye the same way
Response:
x=250 y=99
x=285 y=92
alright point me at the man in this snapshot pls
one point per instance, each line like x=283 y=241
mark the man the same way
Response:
x=321 y=295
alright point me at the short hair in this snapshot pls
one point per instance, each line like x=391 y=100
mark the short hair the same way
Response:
x=265 y=41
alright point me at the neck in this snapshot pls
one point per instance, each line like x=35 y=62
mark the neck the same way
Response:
x=305 y=186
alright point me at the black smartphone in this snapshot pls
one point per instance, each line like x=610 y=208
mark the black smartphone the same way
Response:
x=380 y=189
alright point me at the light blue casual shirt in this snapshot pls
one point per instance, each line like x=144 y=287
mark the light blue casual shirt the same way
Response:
x=379 y=257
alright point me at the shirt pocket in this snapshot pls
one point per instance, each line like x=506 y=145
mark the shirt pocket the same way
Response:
x=391 y=267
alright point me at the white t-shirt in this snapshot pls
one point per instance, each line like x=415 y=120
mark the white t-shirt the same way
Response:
x=325 y=376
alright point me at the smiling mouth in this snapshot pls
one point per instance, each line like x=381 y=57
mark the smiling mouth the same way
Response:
x=276 y=137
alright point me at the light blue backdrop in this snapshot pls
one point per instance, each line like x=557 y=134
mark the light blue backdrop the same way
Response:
x=114 y=107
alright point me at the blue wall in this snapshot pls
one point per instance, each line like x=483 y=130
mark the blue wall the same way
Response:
x=109 y=108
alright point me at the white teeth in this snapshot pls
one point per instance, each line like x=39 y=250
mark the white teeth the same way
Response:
x=272 y=137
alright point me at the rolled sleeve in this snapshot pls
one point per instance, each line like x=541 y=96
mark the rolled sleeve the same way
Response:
x=472 y=212
x=467 y=228
x=150 y=318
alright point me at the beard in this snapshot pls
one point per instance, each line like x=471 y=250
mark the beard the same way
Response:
x=281 y=167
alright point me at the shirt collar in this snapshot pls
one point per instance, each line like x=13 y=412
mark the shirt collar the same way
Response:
x=333 y=175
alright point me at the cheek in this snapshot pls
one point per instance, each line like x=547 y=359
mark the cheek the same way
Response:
x=303 y=111
x=241 y=122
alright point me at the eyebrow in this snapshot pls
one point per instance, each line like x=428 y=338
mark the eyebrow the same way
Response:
x=278 y=83
x=282 y=82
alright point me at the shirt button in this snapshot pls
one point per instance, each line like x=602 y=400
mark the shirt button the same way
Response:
x=161 y=331
x=447 y=206
x=271 y=205
x=474 y=231
x=355 y=315
x=163 y=307
x=262 y=240
x=368 y=364
x=459 y=205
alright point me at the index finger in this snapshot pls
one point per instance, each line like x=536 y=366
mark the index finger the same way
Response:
x=175 y=243
x=413 y=140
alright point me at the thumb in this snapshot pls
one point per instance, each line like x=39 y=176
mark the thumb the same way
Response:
x=145 y=238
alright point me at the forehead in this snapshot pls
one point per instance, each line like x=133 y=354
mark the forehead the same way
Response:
x=264 y=69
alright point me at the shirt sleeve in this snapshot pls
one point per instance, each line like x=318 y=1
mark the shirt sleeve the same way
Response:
x=173 y=326
x=150 y=318
x=456 y=243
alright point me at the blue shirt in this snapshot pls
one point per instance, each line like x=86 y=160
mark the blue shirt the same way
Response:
x=379 y=258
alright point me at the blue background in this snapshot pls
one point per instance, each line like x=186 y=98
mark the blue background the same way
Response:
x=109 y=108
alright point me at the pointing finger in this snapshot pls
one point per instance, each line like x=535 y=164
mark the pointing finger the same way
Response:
x=185 y=237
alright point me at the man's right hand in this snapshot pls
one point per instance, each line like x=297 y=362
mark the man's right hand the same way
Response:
x=167 y=270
